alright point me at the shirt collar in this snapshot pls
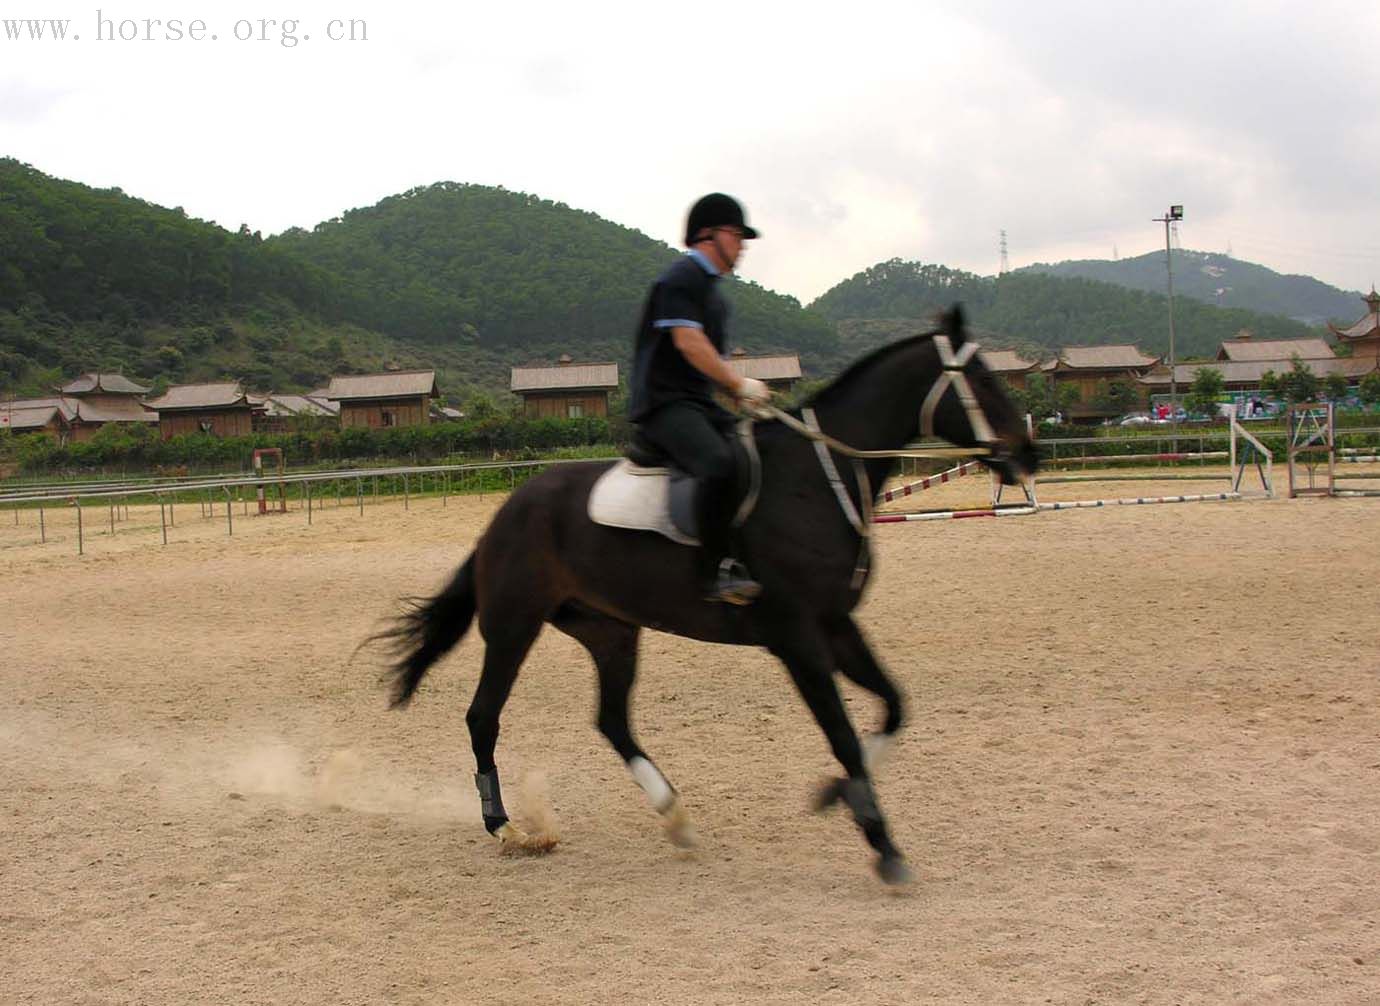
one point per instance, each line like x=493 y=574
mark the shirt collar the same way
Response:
x=703 y=261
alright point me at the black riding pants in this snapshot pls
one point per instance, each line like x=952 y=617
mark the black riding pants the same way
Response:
x=698 y=438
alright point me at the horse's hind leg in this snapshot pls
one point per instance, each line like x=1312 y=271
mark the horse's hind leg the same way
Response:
x=506 y=646
x=613 y=645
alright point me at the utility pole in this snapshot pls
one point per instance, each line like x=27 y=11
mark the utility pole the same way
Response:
x=1175 y=214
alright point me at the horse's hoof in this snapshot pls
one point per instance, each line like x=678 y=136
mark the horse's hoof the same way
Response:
x=829 y=793
x=894 y=871
x=678 y=827
x=513 y=841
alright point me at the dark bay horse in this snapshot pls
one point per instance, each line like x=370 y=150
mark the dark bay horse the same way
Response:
x=542 y=560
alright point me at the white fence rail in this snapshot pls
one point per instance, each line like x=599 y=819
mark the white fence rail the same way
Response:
x=209 y=493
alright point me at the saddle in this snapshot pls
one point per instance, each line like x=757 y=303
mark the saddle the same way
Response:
x=644 y=491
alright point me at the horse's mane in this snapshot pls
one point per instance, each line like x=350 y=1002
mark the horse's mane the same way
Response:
x=834 y=388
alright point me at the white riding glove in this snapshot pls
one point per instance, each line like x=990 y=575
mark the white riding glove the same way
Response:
x=753 y=397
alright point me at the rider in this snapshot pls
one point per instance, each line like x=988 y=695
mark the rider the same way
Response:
x=679 y=358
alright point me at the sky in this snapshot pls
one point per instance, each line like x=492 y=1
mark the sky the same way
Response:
x=853 y=132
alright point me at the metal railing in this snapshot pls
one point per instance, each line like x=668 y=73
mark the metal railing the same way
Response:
x=208 y=493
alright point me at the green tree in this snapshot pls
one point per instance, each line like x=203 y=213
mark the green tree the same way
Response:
x=1335 y=387
x=1299 y=384
x=1370 y=389
x=1205 y=391
x=1115 y=396
x=170 y=359
x=1044 y=397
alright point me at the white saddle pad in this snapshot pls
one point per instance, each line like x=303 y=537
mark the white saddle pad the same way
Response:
x=635 y=498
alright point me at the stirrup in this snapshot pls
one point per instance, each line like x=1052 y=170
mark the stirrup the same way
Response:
x=733 y=585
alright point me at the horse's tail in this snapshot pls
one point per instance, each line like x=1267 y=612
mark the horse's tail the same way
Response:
x=427 y=630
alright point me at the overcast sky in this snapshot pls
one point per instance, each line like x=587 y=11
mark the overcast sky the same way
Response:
x=854 y=132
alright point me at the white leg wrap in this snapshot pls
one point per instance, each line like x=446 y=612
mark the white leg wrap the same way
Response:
x=875 y=749
x=653 y=783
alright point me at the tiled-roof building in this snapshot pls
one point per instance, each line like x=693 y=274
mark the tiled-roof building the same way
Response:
x=382 y=401
x=1245 y=375
x=1364 y=336
x=568 y=390
x=1009 y=366
x=282 y=413
x=1092 y=369
x=1244 y=349
x=36 y=415
x=83 y=405
x=221 y=409
x=778 y=372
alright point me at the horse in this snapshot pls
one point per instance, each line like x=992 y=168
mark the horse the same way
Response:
x=542 y=560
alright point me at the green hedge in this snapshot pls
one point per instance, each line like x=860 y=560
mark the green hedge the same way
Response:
x=115 y=447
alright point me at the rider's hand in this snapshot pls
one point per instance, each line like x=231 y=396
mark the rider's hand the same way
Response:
x=753 y=396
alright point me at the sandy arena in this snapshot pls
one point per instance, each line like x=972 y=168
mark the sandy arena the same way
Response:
x=1142 y=766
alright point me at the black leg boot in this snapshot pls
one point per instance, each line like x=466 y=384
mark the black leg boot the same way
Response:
x=724 y=578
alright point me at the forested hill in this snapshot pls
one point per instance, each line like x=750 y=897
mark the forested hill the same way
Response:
x=1220 y=280
x=510 y=273
x=468 y=279
x=1029 y=310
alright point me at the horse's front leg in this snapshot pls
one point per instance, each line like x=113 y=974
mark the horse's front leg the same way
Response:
x=806 y=652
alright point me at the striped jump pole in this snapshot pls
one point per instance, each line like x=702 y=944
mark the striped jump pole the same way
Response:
x=1356 y=492
x=1138 y=477
x=1136 y=501
x=947 y=476
x=1188 y=456
x=898 y=518
x=1357 y=459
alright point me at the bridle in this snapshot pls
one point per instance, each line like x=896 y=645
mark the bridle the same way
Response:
x=953 y=376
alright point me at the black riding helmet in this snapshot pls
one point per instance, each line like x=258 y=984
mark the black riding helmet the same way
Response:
x=716 y=210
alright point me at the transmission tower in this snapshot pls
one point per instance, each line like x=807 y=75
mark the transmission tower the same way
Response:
x=1005 y=266
x=1116 y=257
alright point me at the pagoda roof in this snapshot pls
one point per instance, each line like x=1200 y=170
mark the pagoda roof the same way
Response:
x=1251 y=371
x=110 y=384
x=1242 y=350
x=1120 y=357
x=218 y=395
x=1006 y=361
x=1368 y=326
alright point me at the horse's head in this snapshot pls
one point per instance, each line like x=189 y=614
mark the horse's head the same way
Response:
x=967 y=405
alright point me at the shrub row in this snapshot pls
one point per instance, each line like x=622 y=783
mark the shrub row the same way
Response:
x=120 y=448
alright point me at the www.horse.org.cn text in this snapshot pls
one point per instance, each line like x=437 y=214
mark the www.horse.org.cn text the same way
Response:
x=108 y=27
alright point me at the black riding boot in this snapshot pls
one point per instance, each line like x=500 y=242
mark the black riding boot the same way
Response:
x=724 y=578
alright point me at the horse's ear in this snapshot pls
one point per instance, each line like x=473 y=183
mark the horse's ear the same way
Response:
x=951 y=322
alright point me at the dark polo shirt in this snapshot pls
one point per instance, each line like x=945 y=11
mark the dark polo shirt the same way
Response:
x=686 y=295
